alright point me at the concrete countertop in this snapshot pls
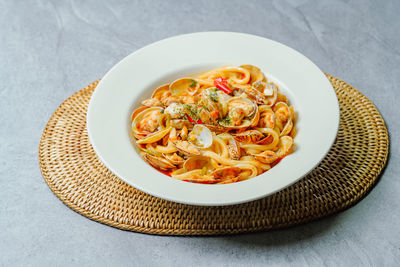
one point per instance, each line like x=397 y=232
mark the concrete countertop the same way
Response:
x=50 y=49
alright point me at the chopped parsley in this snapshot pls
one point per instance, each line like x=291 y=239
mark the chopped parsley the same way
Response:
x=192 y=111
x=213 y=95
x=193 y=83
x=225 y=121
x=203 y=107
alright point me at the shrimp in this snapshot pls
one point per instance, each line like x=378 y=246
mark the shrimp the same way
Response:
x=149 y=122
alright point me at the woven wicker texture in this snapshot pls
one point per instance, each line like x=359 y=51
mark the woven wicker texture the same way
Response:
x=75 y=174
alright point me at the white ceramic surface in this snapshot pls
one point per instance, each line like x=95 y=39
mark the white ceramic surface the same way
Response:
x=135 y=77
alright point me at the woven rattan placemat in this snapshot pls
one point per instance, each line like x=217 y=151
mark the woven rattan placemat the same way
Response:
x=76 y=175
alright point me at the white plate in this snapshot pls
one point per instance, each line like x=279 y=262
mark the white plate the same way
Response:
x=135 y=77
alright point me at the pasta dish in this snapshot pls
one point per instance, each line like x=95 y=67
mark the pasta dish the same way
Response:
x=221 y=126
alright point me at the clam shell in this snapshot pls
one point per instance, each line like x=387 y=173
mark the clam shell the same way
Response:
x=152 y=102
x=216 y=128
x=282 y=111
x=288 y=127
x=196 y=162
x=161 y=92
x=137 y=111
x=226 y=172
x=285 y=146
x=139 y=114
x=264 y=88
x=186 y=148
x=233 y=149
x=200 y=136
x=157 y=162
x=267 y=119
x=246 y=104
x=266 y=140
x=249 y=136
x=174 y=158
x=184 y=86
x=256 y=95
x=267 y=157
x=251 y=112
x=154 y=137
x=272 y=99
x=283 y=115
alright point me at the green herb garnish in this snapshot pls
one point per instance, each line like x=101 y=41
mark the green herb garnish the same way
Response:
x=225 y=121
x=204 y=107
x=192 y=111
x=213 y=95
x=193 y=83
x=204 y=170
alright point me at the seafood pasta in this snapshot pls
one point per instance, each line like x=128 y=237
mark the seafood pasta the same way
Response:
x=222 y=126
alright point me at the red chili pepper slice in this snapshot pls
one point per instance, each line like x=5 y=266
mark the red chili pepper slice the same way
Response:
x=214 y=115
x=193 y=121
x=222 y=84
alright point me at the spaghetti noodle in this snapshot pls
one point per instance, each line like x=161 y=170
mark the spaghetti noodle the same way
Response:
x=222 y=126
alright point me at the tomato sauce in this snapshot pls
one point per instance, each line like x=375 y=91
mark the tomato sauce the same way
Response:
x=276 y=162
x=168 y=173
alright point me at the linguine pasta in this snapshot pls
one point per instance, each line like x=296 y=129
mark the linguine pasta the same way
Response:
x=222 y=126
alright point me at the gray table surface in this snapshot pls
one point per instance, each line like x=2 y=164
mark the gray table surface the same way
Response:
x=50 y=49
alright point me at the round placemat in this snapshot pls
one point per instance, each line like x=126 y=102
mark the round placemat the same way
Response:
x=75 y=174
